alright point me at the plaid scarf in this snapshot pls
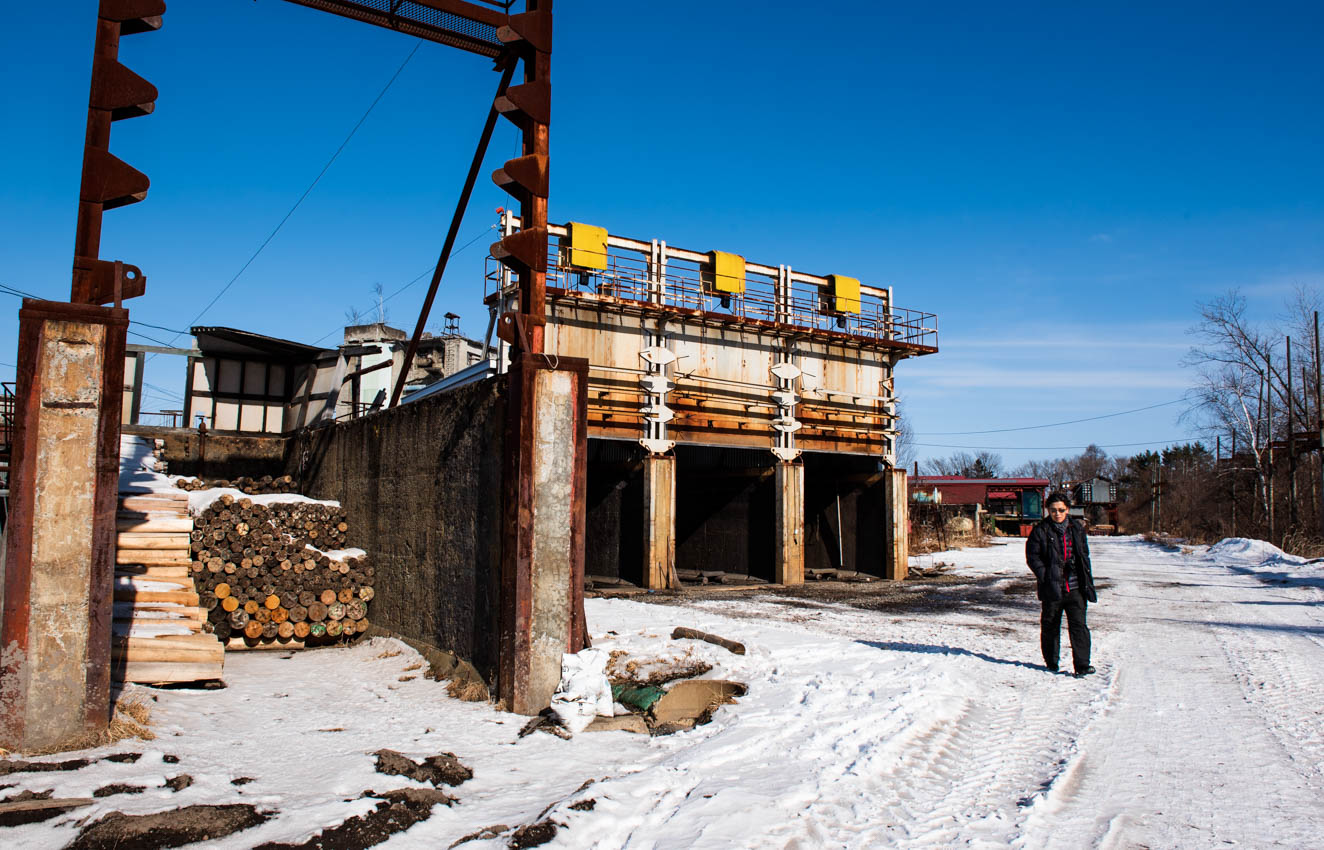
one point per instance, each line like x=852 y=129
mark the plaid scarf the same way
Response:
x=1068 y=564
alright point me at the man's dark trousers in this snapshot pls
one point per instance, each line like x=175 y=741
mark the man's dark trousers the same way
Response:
x=1050 y=635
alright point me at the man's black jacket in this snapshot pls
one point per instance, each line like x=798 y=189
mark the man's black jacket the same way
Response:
x=1043 y=552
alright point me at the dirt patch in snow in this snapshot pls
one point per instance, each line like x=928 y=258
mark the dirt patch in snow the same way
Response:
x=173 y=828
x=398 y=811
x=934 y=593
x=443 y=769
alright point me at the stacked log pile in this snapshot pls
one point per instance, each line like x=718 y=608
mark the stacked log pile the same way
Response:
x=158 y=622
x=252 y=486
x=265 y=574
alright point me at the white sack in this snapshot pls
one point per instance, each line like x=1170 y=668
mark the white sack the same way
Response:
x=584 y=692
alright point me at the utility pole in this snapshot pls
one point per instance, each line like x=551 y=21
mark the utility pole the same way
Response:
x=1319 y=422
x=1292 y=516
x=1154 y=498
x=1268 y=424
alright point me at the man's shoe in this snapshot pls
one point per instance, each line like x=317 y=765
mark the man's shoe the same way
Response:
x=1081 y=673
x=1051 y=668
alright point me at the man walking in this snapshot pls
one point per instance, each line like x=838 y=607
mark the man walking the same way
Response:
x=1059 y=557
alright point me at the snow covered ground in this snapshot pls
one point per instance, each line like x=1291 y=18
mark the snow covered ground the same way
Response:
x=866 y=724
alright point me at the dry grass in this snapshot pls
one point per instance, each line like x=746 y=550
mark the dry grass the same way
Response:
x=390 y=653
x=657 y=670
x=467 y=691
x=1303 y=545
x=132 y=717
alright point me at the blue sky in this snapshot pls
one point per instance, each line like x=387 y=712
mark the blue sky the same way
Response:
x=1060 y=183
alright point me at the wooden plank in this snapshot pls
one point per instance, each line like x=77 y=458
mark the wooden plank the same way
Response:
x=182 y=642
x=163 y=570
x=162 y=654
x=154 y=557
x=159 y=597
x=147 y=672
x=174 y=495
x=138 y=523
x=153 y=541
x=152 y=583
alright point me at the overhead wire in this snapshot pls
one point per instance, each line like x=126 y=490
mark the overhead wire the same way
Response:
x=306 y=192
x=1056 y=448
x=1053 y=424
x=421 y=275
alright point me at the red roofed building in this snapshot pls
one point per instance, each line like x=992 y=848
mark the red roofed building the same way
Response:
x=1015 y=504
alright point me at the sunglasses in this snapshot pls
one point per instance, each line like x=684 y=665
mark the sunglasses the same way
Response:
x=1057 y=510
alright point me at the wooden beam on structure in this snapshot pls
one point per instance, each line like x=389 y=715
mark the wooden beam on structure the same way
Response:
x=789 y=524
x=897 y=529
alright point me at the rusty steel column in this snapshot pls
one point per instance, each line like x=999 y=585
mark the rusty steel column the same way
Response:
x=55 y=633
x=789 y=567
x=659 y=521
x=542 y=553
x=897 y=528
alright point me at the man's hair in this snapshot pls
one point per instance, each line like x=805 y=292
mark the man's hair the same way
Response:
x=1057 y=496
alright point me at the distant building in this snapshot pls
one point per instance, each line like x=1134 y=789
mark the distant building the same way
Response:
x=1014 y=504
x=246 y=383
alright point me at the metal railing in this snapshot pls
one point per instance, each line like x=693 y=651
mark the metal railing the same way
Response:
x=7 y=401
x=628 y=277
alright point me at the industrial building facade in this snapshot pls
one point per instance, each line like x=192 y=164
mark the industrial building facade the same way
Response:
x=741 y=416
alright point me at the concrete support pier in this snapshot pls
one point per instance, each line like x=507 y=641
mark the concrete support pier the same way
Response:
x=55 y=633
x=659 y=521
x=542 y=560
x=897 y=562
x=789 y=524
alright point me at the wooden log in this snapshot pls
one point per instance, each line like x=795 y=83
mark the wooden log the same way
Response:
x=694 y=634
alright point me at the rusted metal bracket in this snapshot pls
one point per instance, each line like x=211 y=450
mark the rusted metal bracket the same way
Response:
x=511 y=330
x=108 y=281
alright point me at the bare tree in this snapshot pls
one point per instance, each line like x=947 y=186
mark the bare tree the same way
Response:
x=982 y=464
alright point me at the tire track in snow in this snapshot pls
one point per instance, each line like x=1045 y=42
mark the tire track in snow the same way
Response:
x=1179 y=757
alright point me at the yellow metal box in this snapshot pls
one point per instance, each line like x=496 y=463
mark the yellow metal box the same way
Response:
x=845 y=293
x=588 y=246
x=725 y=273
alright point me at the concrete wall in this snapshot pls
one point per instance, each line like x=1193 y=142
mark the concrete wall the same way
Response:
x=422 y=486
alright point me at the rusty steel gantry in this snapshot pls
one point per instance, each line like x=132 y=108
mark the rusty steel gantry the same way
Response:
x=67 y=410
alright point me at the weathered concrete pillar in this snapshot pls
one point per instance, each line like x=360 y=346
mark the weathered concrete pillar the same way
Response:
x=789 y=525
x=542 y=558
x=659 y=521
x=897 y=545
x=60 y=547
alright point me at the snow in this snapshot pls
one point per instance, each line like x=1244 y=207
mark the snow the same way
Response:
x=864 y=726
x=200 y=500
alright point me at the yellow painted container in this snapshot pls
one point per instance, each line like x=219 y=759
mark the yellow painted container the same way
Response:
x=725 y=273
x=588 y=246
x=845 y=293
